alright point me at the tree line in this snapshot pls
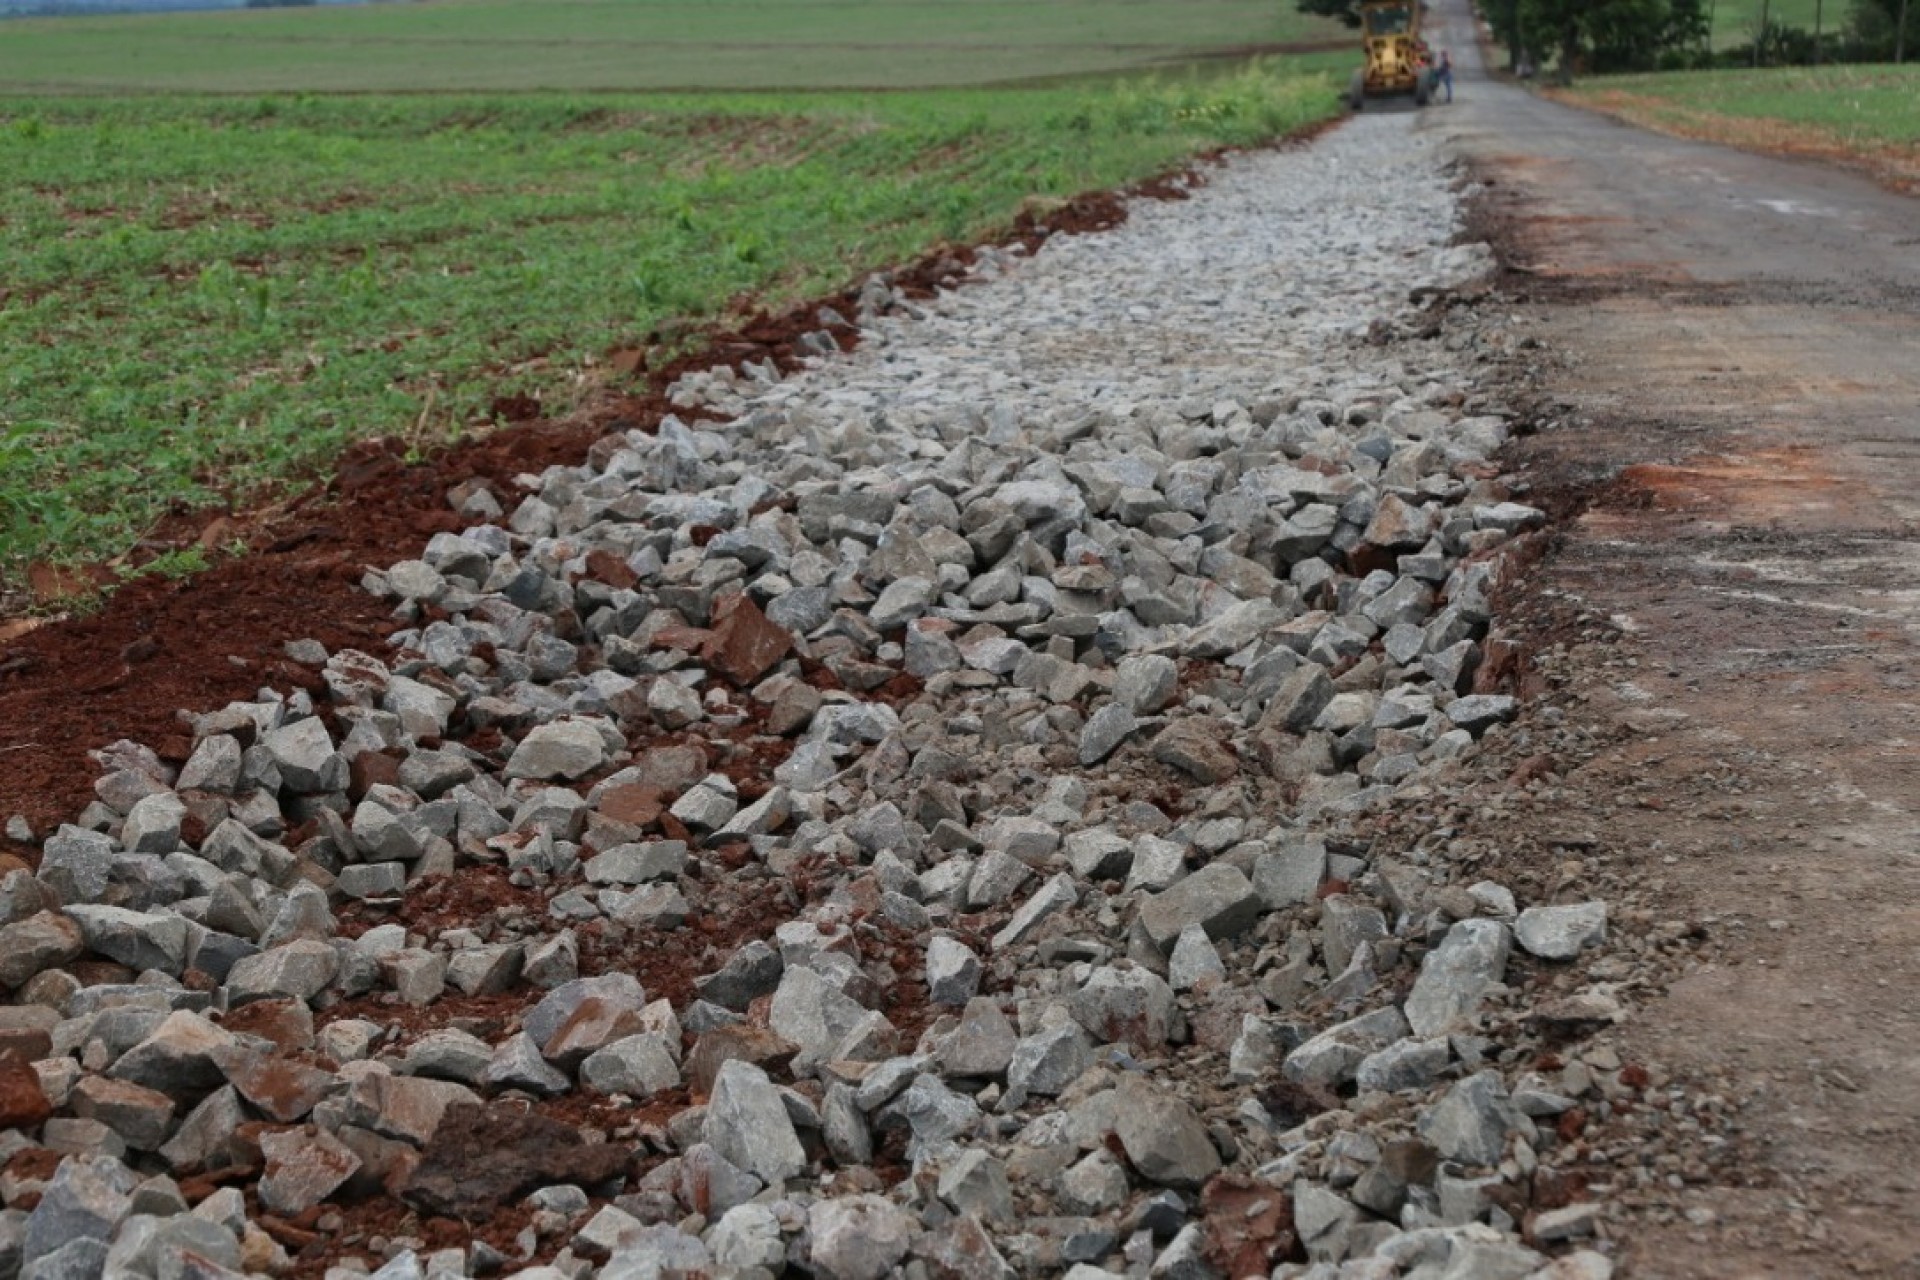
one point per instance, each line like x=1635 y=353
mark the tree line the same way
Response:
x=1580 y=36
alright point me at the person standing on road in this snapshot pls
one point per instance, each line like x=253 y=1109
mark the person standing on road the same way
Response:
x=1443 y=73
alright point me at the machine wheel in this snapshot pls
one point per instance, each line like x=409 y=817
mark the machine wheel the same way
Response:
x=1357 y=91
x=1422 y=91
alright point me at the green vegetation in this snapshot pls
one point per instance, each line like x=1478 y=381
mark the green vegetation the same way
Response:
x=1737 y=22
x=1852 y=108
x=1599 y=35
x=499 y=45
x=206 y=297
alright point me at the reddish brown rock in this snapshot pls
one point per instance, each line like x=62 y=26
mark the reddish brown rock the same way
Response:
x=766 y=1049
x=23 y=1103
x=594 y=1025
x=1248 y=1225
x=745 y=644
x=303 y=1168
x=370 y=769
x=605 y=566
x=685 y=639
x=483 y=1157
x=288 y=1023
x=636 y=804
x=279 y=1088
x=26 y=1031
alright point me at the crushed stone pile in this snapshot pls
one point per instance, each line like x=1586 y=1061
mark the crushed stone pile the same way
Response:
x=905 y=828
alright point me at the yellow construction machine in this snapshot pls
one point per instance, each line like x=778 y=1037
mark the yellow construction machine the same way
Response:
x=1398 y=63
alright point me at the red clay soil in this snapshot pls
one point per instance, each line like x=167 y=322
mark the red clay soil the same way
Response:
x=157 y=646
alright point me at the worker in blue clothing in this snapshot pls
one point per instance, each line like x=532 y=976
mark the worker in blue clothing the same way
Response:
x=1443 y=73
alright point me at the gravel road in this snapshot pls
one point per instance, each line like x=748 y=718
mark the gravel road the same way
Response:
x=949 y=817
x=1725 y=368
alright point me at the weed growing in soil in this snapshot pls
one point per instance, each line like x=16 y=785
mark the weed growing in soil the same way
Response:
x=207 y=298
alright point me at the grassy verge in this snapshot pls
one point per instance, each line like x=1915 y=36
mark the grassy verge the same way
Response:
x=1736 y=22
x=207 y=298
x=1865 y=116
x=499 y=45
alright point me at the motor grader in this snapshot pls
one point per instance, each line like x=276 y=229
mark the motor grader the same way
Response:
x=1398 y=63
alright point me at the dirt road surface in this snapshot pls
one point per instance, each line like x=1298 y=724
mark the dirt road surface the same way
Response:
x=1730 y=384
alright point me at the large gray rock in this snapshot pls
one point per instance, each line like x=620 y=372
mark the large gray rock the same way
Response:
x=1195 y=961
x=87 y=1199
x=812 y=1012
x=1405 y=1064
x=299 y=970
x=1324 y=1221
x=638 y=1066
x=1125 y=1006
x=1457 y=975
x=304 y=755
x=153 y=825
x=747 y=1123
x=81 y=1259
x=1145 y=683
x=1105 y=730
x=43 y=941
x=1561 y=933
x=749 y=973
x=614 y=992
x=1049 y=1060
x=975 y=1183
x=1163 y=1136
x=1334 y=1056
x=138 y=939
x=983 y=1043
x=1058 y=894
x=1470 y=1123
x=748 y=1237
x=1293 y=874
x=953 y=971
x=181 y=1058
x=1299 y=700
x=858 y=1237
x=1217 y=897
x=77 y=864
x=566 y=750
x=214 y=765
x=1479 y=712
x=303 y=1168
x=658 y=1251
x=153 y=1246
x=142 y=1117
x=517 y=1064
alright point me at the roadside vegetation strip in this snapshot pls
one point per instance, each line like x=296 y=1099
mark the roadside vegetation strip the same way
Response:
x=497 y=45
x=209 y=297
x=1867 y=116
x=1737 y=22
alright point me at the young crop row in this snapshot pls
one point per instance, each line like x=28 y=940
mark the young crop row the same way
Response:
x=209 y=298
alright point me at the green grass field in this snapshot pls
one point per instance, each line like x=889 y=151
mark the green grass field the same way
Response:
x=495 y=45
x=207 y=297
x=1863 y=108
x=1736 y=21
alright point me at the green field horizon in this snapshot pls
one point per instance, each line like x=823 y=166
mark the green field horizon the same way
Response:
x=209 y=298
x=639 y=45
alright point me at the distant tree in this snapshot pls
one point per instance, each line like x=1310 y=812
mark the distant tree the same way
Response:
x=1347 y=11
x=1503 y=18
x=1874 y=27
x=1609 y=35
